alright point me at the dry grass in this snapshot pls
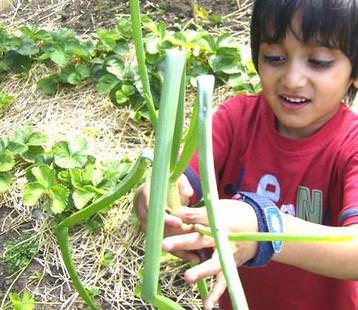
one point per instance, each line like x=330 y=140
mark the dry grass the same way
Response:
x=112 y=135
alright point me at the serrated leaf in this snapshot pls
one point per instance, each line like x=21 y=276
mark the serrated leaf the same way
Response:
x=79 y=145
x=37 y=139
x=5 y=181
x=17 y=63
x=5 y=100
x=72 y=155
x=17 y=147
x=117 y=96
x=106 y=83
x=59 y=195
x=4 y=142
x=115 y=66
x=97 y=177
x=7 y=161
x=44 y=175
x=59 y=56
x=28 y=47
x=107 y=38
x=26 y=303
x=49 y=84
x=32 y=193
x=35 y=153
x=82 y=198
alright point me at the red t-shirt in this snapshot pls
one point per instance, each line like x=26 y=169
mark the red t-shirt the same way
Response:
x=314 y=178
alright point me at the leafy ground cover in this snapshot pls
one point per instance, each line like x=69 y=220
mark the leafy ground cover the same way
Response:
x=108 y=250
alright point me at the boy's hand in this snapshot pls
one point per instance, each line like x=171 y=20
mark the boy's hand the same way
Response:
x=238 y=216
x=173 y=224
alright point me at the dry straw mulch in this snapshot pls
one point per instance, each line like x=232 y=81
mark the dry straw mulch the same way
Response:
x=113 y=135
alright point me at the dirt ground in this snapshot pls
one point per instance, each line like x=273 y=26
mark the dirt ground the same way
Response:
x=84 y=110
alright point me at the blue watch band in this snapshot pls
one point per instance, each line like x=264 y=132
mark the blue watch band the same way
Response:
x=269 y=220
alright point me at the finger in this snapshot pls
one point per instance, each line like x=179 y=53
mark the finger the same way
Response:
x=206 y=269
x=175 y=226
x=216 y=292
x=185 y=188
x=191 y=241
x=188 y=256
x=192 y=215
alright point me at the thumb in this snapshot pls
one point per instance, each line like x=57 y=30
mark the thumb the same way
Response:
x=185 y=188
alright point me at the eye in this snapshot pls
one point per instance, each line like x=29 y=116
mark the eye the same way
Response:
x=274 y=59
x=320 y=64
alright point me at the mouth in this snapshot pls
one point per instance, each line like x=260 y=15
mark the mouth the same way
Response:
x=294 y=102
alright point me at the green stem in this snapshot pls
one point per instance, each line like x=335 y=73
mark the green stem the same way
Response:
x=134 y=176
x=63 y=242
x=140 y=55
x=287 y=237
x=174 y=67
x=210 y=194
x=179 y=122
x=190 y=141
x=173 y=197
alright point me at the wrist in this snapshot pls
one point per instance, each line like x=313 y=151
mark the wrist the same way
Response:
x=268 y=220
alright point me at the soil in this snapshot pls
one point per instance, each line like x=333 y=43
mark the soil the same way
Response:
x=94 y=13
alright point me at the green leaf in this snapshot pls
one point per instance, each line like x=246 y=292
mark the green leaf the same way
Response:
x=28 y=47
x=71 y=155
x=107 y=259
x=35 y=153
x=59 y=195
x=27 y=135
x=32 y=193
x=17 y=63
x=49 y=84
x=128 y=89
x=4 y=142
x=81 y=198
x=17 y=147
x=114 y=65
x=107 y=38
x=106 y=83
x=5 y=100
x=225 y=64
x=79 y=144
x=5 y=181
x=117 y=96
x=74 y=74
x=26 y=303
x=63 y=35
x=59 y=56
x=44 y=175
x=7 y=161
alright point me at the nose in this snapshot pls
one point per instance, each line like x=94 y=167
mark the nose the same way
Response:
x=293 y=76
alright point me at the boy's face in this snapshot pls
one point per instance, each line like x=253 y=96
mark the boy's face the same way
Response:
x=303 y=84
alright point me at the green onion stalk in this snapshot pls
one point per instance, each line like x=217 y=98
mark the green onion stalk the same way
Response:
x=210 y=194
x=286 y=237
x=179 y=156
x=174 y=68
x=140 y=54
x=62 y=228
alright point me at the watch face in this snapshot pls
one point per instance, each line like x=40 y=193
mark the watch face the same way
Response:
x=274 y=225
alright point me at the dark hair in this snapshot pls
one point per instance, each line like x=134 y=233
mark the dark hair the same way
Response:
x=330 y=23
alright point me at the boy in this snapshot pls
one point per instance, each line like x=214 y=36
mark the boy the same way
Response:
x=296 y=145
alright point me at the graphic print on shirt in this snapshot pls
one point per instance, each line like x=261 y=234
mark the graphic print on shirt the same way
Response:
x=309 y=203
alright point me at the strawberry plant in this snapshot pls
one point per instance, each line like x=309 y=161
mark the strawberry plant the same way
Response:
x=105 y=59
x=26 y=302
